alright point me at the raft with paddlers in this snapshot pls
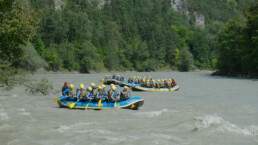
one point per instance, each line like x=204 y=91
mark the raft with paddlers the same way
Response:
x=139 y=88
x=110 y=81
x=133 y=103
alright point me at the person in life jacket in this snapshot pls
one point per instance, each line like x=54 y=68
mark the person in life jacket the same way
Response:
x=111 y=85
x=124 y=94
x=98 y=94
x=69 y=92
x=148 y=84
x=149 y=78
x=169 y=83
x=130 y=80
x=174 y=83
x=133 y=79
x=112 y=95
x=165 y=83
x=92 y=85
x=139 y=80
x=118 y=77
x=153 y=84
x=114 y=76
x=122 y=79
x=158 y=84
x=106 y=77
x=104 y=92
x=162 y=83
x=88 y=95
x=79 y=92
x=143 y=83
x=65 y=87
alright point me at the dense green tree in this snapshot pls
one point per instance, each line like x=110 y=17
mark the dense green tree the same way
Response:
x=237 y=44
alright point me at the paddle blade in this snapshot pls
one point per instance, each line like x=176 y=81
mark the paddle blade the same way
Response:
x=99 y=104
x=87 y=106
x=56 y=99
x=72 y=105
x=101 y=80
x=115 y=104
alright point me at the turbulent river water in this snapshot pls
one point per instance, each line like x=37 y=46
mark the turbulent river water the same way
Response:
x=206 y=110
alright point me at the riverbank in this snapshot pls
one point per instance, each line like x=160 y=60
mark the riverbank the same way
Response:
x=235 y=75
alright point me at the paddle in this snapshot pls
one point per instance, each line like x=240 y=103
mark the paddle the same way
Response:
x=99 y=104
x=115 y=104
x=72 y=105
x=56 y=99
x=87 y=105
x=101 y=80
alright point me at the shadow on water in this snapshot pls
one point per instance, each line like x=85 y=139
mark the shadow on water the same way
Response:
x=209 y=75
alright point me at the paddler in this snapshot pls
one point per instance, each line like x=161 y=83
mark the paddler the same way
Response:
x=162 y=84
x=114 y=76
x=174 y=83
x=79 y=92
x=139 y=80
x=92 y=85
x=169 y=83
x=124 y=94
x=158 y=84
x=118 y=77
x=98 y=94
x=148 y=85
x=112 y=95
x=104 y=91
x=88 y=95
x=153 y=84
x=149 y=78
x=130 y=80
x=69 y=92
x=111 y=85
x=65 y=87
x=122 y=79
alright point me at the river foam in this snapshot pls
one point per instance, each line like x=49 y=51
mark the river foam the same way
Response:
x=155 y=113
x=219 y=124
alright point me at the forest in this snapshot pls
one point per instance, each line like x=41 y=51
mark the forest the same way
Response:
x=142 y=35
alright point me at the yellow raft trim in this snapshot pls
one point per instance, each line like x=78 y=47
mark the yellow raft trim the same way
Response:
x=118 y=106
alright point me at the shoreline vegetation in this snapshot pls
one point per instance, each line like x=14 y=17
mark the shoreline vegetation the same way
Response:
x=143 y=36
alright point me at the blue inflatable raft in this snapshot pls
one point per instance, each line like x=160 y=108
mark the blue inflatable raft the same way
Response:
x=133 y=103
x=121 y=84
x=110 y=81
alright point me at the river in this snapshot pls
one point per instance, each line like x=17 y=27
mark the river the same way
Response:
x=206 y=110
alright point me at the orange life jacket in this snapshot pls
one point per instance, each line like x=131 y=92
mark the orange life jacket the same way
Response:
x=162 y=84
x=149 y=79
x=148 y=84
x=169 y=84
x=124 y=95
x=139 y=80
x=70 y=92
x=77 y=91
x=133 y=79
x=109 y=95
x=154 y=85
x=101 y=92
